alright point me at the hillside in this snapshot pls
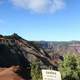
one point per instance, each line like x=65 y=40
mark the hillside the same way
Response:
x=16 y=51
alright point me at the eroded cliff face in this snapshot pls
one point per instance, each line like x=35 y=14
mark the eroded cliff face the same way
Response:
x=60 y=47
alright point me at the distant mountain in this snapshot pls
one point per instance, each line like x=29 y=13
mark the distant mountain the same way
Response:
x=62 y=47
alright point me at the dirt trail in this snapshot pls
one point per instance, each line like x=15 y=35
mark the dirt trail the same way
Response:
x=9 y=74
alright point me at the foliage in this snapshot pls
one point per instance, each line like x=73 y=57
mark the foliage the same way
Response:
x=36 y=71
x=70 y=67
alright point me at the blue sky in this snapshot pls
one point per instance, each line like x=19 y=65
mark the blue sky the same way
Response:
x=39 y=20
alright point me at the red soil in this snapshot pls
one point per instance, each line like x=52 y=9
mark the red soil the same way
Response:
x=9 y=74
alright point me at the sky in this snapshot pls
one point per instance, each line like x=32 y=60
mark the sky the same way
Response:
x=49 y=20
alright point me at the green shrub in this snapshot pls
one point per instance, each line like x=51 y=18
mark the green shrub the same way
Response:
x=70 y=67
x=36 y=71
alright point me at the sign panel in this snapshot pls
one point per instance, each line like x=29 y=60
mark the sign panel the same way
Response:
x=51 y=75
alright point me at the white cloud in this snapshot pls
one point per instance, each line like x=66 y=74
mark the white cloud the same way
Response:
x=40 y=6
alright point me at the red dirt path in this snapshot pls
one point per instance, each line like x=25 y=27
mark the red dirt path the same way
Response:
x=9 y=74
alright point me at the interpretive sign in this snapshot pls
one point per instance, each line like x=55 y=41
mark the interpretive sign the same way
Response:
x=51 y=75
